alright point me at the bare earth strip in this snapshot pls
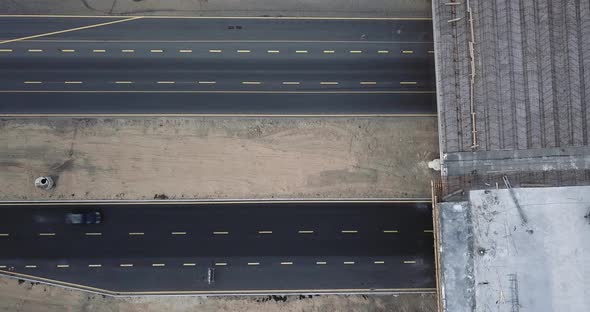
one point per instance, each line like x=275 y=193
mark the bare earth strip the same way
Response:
x=25 y=296
x=186 y=158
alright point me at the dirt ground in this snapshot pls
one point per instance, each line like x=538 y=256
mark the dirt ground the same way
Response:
x=217 y=158
x=20 y=296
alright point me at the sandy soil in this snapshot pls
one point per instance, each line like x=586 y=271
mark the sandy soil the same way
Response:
x=20 y=296
x=217 y=158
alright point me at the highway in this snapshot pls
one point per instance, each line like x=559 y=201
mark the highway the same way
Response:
x=252 y=247
x=215 y=66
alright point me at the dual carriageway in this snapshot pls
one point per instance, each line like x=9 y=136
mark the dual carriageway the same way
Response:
x=58 y=66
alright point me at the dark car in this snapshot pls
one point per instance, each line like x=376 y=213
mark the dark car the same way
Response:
x=84 y=217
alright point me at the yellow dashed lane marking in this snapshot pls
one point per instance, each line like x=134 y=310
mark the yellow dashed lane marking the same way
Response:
x=408 y=83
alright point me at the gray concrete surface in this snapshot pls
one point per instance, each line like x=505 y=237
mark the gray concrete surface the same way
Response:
x=528 y=259
x=358 y=8
x=533 y=160
x=455 y=248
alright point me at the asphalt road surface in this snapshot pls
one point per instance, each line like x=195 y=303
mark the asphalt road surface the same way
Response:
x=264 y=66
x=252 y=247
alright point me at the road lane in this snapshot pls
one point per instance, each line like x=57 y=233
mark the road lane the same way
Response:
x=172 y=28
x=283 y=66
x=252 y=103
x=312 y=246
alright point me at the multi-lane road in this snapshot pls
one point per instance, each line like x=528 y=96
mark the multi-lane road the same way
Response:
x=155 y=66
x=275 y=66
x=252 y=247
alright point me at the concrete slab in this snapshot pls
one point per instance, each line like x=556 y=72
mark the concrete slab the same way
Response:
x=530 y=259
x=529 y=160
x=455 y=243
